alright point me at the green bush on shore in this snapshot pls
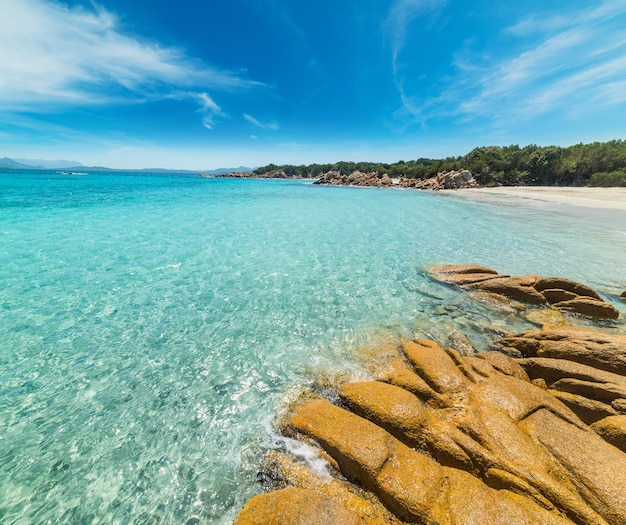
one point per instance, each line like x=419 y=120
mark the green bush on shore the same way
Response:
x=596 y=164
x=606 y=180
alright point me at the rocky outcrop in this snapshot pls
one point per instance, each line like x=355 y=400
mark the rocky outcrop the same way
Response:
x=438 y=438
x=448 y=180
x=563 y=294
x=613 y=430
x=273 y=174
x=356 y=178
x=583 y=368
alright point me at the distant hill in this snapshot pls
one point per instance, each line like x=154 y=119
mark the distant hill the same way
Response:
x=41 y=164
x=49 y=164
x=6 y=162
x=220 y=171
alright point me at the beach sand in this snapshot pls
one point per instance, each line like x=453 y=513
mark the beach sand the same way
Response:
x=593 y=203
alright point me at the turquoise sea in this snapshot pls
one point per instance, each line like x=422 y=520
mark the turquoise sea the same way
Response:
x=150 y=324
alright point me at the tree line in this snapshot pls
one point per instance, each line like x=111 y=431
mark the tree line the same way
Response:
x=595 y=164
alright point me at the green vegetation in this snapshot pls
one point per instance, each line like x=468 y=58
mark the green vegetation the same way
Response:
x=596 y=164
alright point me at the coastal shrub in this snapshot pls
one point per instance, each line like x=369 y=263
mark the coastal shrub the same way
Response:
x=605 y=180
x=597 y=164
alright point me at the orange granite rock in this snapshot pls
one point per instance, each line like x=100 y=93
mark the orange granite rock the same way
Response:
x=442 y=438
x=613 y=430
x=563 y=294
x=292 y=505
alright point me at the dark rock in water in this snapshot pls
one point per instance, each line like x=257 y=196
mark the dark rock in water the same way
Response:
x=623 y=296
x=563 y=294
x=441 y=438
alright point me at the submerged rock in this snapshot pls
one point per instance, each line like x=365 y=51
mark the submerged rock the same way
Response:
x=560 y=293
x=546 y=316
x=439 y=438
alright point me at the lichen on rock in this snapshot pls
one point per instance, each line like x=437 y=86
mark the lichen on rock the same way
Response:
x=440 y=438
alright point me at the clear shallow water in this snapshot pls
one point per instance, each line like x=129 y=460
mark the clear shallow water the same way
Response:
x=149 y=324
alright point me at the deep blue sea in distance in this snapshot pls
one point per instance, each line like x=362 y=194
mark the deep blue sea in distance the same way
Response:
x=151 y=324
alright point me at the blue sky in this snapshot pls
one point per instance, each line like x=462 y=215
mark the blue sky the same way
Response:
x=201 y=84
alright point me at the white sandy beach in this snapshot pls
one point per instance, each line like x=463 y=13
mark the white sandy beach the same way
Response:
x=549 y=197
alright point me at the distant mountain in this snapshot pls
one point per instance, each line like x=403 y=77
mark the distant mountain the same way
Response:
x=6 y=162
x=49 y=164
x=41 y=164
x=220 y=171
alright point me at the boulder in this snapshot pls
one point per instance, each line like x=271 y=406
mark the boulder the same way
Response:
x=613 y=430
x=446 y=438
x=588 y=410
x=582 y=345
x=558 y=283
x=564 y=294
x=413 y=486
x=294 y=505
x=583 y=368
x=511 y=287
x=445 y=269
x=446 y=180
x=589 y=307
x=356 y=178
x=554 y=295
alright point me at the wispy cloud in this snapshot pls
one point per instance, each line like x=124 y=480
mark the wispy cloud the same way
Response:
x=209 y=109
x=53 y=56
x=572 y=64
x=402 y=14
x=272 y=126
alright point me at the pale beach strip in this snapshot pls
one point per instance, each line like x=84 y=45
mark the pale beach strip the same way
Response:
x=549 y=197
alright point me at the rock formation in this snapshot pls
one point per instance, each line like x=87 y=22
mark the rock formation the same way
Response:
x=274 y=174
x=563 y=294
x=447 y=180
x=356 y=178
x=532 y=431
x=585 y=369
x=437 y=438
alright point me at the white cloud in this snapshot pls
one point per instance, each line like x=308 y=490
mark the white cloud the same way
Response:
x=401 y=14
x=208 y=108
x=568 y=64
x=273 y=126
x=53 y=56
x=396 y=29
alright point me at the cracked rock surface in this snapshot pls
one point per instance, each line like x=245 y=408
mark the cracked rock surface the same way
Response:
x=439 y=438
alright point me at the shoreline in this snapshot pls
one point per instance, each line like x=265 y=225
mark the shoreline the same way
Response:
x=550 y=197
